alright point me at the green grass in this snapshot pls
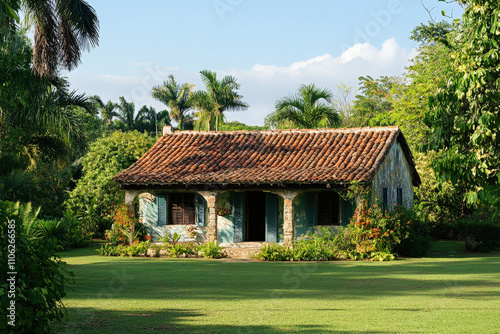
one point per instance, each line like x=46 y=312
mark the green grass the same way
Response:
x=449 y=292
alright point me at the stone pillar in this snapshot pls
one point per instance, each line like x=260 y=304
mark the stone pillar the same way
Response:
x=211 y=197
x=288 y=222
x=130 y=195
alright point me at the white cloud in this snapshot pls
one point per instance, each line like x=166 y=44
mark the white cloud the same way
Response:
x=261 y=85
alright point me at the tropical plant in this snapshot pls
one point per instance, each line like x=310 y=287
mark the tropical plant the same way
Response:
x=108 y=110
x=63 y=29
x=309 y=109
x=126 y=114
x=177 y=97
x=211 y=250
x=465 y=113
x=40 y=275
x=218 y=96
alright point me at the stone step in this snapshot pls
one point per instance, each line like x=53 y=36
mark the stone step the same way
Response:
x=240 y=252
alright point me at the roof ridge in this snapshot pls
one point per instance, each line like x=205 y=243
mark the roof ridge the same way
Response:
x=340 y=130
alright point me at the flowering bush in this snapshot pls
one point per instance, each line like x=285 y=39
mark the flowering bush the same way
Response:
x=122 y=231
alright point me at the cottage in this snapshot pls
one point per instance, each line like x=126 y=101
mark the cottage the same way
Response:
x=270 y=186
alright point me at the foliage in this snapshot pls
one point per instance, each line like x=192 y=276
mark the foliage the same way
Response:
x=219 y=96
x=374 y=105
x=180 y=249
x=177 y=97
x=425 y=74
x=437 y=205
x=274 y=252
x=480 y=231
x=465 y=113
x=210 y=250
x=311 y=108
x=40 y=279
x=62 y=30
x=238 y=126
x=96 y=194
x=137 y=249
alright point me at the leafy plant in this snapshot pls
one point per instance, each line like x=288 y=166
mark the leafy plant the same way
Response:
x=210 y=250
x=96 y=194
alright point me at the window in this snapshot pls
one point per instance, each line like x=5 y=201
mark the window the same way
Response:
x=385 y=199
x=182 y=211
x=328 y=208
x=400 y=196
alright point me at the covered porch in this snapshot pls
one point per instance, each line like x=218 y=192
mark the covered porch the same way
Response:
x=236 y=216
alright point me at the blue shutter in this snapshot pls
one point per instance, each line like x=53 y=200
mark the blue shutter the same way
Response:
x=201 y=206
x=149 y=212
x=311 y=200
x=346 y=211
x=271 y=218
x=238 y=216
x=161 y=202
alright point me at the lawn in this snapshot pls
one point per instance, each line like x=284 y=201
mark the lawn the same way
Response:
x=449 y=292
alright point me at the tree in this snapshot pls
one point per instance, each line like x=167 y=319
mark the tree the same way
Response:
x=309 y=109
x=426 y=73
x=218 y=97
x=238 y=126
x=107 y=110
x=127 y=116
x=343 y=104
x=96 y=193
x=373 y=106
x=465 y=113
x=62 y=30
x=177 y=97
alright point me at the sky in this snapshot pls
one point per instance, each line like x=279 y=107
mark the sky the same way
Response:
x=271 y=47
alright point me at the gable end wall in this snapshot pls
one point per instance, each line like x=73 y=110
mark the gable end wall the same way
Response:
x=394 y=173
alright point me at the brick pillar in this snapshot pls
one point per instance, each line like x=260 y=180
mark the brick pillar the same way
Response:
x=211 y=197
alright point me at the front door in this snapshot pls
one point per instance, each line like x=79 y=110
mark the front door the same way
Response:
x=255 y=220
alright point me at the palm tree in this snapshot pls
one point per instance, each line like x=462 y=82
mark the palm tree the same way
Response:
x=176 y=96
x=62 y=30
x=107 y=110
x=126 y=114
x=310 y=109
x=218 y=97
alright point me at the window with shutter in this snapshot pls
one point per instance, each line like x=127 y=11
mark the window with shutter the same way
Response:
x=182 y=209
x=400 y=196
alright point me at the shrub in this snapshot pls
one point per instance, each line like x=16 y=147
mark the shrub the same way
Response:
x=96 y=193
x=210 y=250
x=181 y=249
x=139 y=248
x=40 y=279
x=274 y=252
x=480 y=235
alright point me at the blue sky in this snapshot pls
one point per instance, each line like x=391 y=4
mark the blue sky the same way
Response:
x=270 y=46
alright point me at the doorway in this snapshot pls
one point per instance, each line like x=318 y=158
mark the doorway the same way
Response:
x=255 y=219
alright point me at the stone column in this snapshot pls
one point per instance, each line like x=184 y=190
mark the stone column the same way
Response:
x=211 y=197
x=288 y=222
x=130 y=195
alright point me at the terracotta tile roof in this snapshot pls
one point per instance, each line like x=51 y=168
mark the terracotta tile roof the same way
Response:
x=264 y=157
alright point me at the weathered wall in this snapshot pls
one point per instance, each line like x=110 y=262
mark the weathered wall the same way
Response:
x=394 y=173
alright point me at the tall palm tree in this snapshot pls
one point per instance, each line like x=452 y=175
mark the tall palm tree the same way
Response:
x=126 y=114
x=309 y=109
x=176 y=96
x=63 y=28
x=107 y=110
x=218 y=97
